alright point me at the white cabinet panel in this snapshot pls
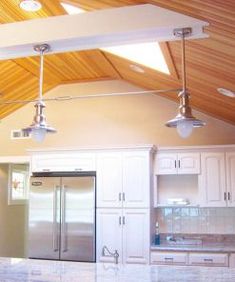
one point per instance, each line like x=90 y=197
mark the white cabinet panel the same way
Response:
x=230 y=174
x=212 y=180
x=232 y=260
x=207 y=259
x=136 y=235
x=178 y=163
x=188 y=163
x=109 y=180
x=136 y=180
x=176 y=258
x=108 y=233
x=166 y=163
x=63 y=162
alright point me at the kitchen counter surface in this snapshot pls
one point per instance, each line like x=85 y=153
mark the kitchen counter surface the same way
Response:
x=24 y=270
x=214 y=247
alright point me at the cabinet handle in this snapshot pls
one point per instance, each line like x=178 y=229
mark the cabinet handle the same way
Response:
x=229 y=196
x=78 y=169
x=179 y=163
x=175 y=163
x=123 y=196
x=120 y=197
x=208 y=260
x=120 y=220
x=46 y=169
x=225 y=196
x=171 y=259
x=123 y=220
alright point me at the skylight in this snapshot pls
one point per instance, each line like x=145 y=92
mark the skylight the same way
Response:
x=71 y=9
x=146 y=54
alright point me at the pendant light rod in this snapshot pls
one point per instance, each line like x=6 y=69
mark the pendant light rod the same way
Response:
x=42 y=49
x=182 y=33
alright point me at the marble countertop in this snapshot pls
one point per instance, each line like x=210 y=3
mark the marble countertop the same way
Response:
x=26 y=270
x=213 y=247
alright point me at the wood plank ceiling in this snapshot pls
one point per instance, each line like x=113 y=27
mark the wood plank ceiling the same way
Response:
x=210 y=62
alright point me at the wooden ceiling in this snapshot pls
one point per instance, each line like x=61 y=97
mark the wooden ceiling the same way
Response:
x=210 y=62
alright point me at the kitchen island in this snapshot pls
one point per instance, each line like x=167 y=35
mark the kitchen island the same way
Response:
x=12 y=269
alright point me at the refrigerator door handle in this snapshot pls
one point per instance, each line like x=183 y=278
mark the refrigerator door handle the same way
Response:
x=55 y=225
x=64 y=237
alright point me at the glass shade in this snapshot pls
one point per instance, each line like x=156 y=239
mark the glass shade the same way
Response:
x=184 y=128
x=38 y=134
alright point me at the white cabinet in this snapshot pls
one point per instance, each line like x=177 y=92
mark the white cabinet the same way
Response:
x=177 y=163
x=212 y=186
x=136 y=179
x=175 y=258
x=109 y=180
x=124 y=230
x=108 y=233
x=136 y=236
x=123 y=179
x=72 y=161
x=208 y=259
x=230 y=177
x=232 y=260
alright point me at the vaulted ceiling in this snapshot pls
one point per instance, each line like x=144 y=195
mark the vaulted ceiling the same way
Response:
x=210 y=62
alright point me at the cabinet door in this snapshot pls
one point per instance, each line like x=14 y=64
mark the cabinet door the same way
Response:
x=188 y=163
x=212 y=180
x=166 y=163
x=230 y=173
x=136 y=233
x=136 y=180
x=109 y=233
x=109 y=180
x=63 y=162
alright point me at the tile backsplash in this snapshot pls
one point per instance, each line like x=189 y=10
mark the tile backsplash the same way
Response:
x=196 y=220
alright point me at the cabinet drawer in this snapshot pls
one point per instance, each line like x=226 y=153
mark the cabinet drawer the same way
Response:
x=208 y=259
x=169 y=258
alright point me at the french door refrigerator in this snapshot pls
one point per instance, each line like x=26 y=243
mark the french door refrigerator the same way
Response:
x=62 y=217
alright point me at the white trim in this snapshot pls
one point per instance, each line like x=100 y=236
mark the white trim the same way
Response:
x=14 y=159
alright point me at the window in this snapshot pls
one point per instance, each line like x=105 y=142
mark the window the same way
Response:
x=18 y=184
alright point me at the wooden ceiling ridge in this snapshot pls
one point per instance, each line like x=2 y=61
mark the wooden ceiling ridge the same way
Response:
x=210 y=61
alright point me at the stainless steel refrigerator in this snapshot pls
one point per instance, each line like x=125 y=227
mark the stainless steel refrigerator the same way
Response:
x=62 y=217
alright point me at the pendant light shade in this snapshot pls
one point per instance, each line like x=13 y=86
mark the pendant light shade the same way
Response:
x=39 y=127
x=184 y=120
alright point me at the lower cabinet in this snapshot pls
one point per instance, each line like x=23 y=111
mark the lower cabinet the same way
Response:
x=124 y=230
x=189 y=258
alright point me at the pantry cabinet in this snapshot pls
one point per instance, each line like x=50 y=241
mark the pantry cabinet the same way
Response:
x=123 y=179
x=230 y=177
x=177 y=163
x=124 y=230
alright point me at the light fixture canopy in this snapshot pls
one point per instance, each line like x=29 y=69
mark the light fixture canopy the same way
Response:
x=39 y=127
x=184 y=120
x=30 y=5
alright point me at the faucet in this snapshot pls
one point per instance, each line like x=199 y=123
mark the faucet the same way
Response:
x=110 y=254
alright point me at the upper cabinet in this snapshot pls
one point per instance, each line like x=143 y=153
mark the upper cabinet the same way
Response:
x=69 y=161
x=212 y=185
x=177 y=163
x=217 y=180
x=123 y=179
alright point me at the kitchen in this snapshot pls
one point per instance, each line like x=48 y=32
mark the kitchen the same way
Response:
x=115 y=124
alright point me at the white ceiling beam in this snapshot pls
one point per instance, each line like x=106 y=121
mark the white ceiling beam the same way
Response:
x=102 y=28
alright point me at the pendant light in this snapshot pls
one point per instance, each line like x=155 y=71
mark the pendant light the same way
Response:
x=39 y=127
x=184 y=121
